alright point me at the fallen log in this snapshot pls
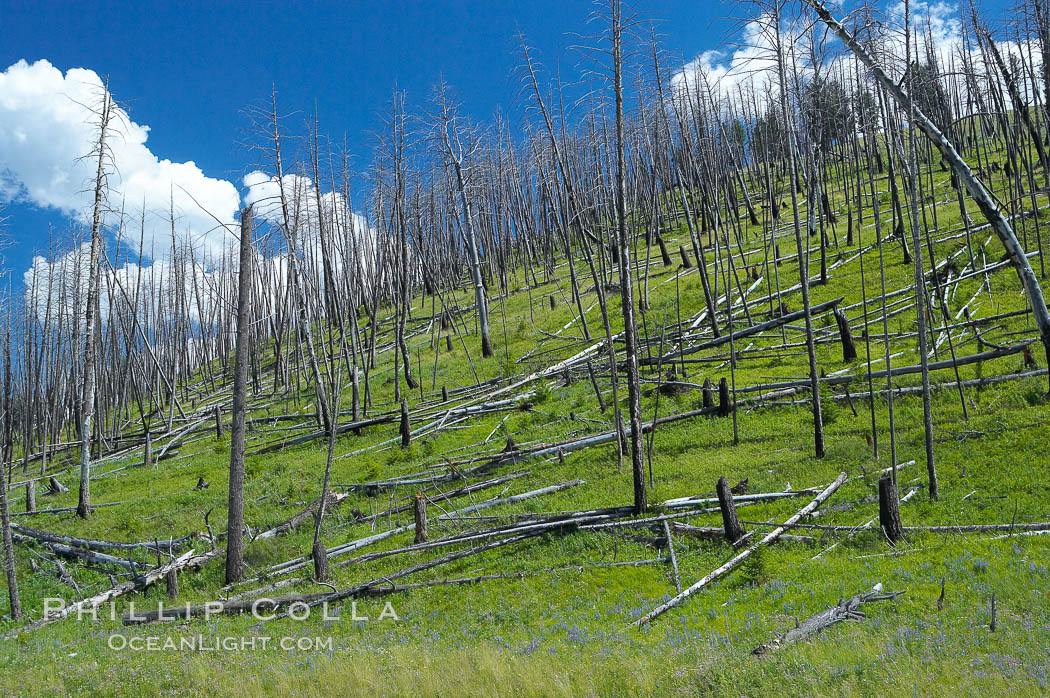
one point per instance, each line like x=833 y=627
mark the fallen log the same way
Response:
x=740 y=557
x=359 y=589
x=483 y=534
x=86 y=556
x=99 y=545
x=394 y=588
x=150 y=577
x=718 y=534
x=187 y=561
x=741 y=334
x=292 y=565
x=66 y=510
x=848 y=609
x=442 y=496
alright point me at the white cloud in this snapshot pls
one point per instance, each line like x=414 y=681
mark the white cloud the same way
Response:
x=45 y=132
x=264 y=194
x=58 y=287
x=749 y=71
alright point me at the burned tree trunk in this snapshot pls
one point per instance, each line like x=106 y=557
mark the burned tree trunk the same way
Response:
x=849 y=349
x=889 y=509
x=406 y=425
x=733 y=530
x=420 y=513
x=235 y=511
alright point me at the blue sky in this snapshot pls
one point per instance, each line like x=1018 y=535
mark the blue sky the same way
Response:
x=186 y=70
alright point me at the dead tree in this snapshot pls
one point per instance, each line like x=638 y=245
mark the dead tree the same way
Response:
x=458 y=146
x=235 y=512
x=101 y=156
x=985 y=201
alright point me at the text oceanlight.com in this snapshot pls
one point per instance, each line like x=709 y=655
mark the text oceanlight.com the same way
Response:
x=229 y=643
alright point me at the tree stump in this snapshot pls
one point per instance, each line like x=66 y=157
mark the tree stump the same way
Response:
x=709 y=394
x=420 y=511
x=147 y=451
x=448 y=342
x=725 y=405
x=320 y=556
x=552 y=301
x=56 y=487
x=444 y=393
x=171 y=581
x=889 y=510
x=685 y=257
x=406 y=426
x=31 y=495
x=733 y=530
x=849 y=349
x=218 y=423
x=664 y=256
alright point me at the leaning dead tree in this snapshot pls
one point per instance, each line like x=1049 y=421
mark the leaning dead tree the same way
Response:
x=983 y=198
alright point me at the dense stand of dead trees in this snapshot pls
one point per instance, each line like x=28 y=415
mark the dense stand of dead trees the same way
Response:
x=110 y=354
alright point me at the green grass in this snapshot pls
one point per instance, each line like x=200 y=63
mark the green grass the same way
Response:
x=565 y=632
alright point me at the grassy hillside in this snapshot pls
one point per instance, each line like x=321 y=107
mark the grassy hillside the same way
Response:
x=557 y=621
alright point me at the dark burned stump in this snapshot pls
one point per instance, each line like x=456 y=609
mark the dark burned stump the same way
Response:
x=889 y=510
x=171 y=581
x=444 y=393
x=31 y=496
x=420 y=512
x=725 y=404
x=552 y=301
x=406 y=425
x=709 y=394
x=731 y=524
x=849 y=349
x=664 y=256
x=671 y=386
x=448 y=342
x=218 y=423
x=848 y=609
x=320 y=556
x=685 y=257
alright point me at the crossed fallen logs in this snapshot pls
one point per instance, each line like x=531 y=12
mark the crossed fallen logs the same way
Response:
x=521 y=527
x=187 y=561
